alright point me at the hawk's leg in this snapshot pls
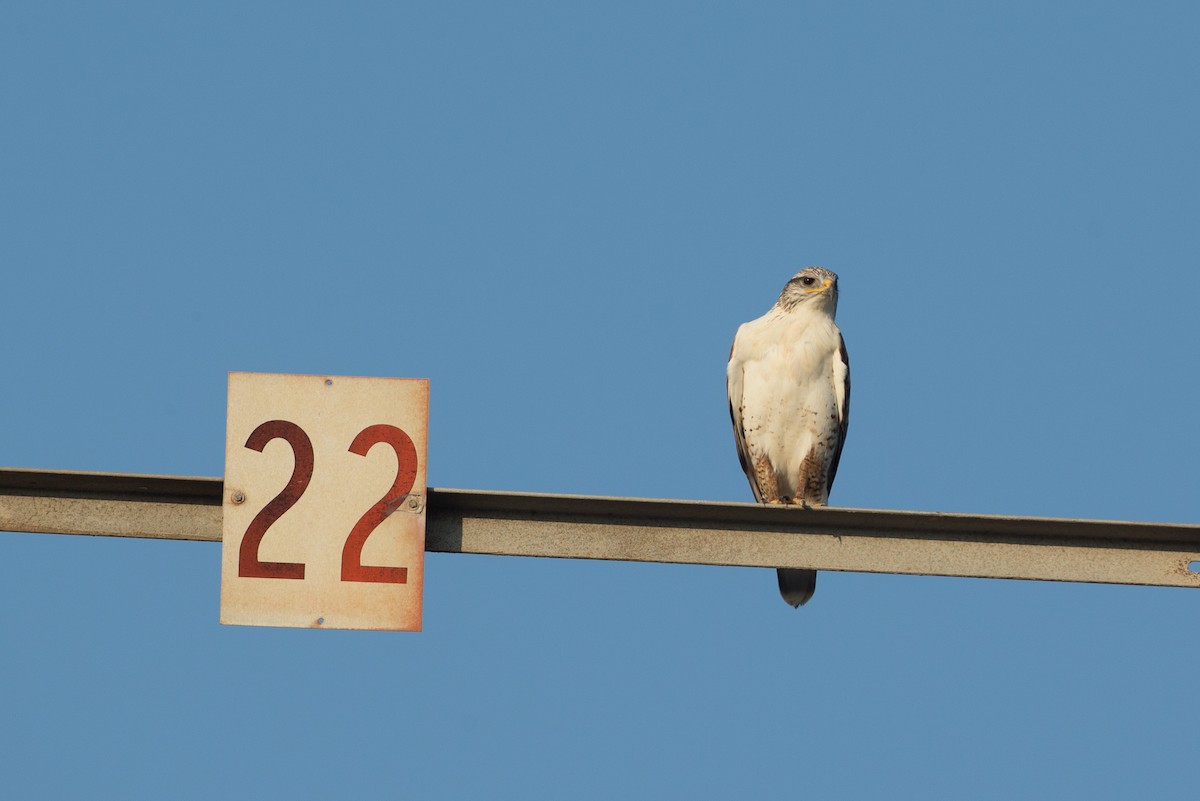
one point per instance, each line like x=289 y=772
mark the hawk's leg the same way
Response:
x=766 y=480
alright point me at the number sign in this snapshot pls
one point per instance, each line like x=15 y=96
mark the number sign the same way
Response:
x=324 y=504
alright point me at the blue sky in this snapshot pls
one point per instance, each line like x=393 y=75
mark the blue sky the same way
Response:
x=559 y=214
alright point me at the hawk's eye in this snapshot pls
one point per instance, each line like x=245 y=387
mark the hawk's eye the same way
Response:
x=808 y=280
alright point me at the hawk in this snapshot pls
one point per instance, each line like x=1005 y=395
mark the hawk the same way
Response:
x=789 y=397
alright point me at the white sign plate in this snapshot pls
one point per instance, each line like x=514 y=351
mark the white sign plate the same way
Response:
x=324 y=505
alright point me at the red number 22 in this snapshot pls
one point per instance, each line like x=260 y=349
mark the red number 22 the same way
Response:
x=353 y=569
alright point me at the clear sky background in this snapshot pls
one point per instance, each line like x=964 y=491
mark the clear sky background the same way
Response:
x=559 y=213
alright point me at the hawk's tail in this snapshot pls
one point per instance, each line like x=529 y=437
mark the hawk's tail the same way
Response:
x=797 y=586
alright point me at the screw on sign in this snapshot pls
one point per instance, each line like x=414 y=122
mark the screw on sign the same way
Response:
x=324 y=524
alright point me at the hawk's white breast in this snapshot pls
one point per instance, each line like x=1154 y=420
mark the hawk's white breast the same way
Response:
x=786 y=366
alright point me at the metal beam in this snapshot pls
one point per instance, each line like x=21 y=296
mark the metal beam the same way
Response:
x=693 y=532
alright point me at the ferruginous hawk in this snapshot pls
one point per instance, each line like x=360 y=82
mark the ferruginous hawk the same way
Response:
x=789 y=397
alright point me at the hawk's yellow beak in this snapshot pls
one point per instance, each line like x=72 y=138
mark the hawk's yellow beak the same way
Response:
x=828 y=283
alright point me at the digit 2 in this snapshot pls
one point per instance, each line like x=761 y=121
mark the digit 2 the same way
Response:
x=406 y=474
x=249 y=564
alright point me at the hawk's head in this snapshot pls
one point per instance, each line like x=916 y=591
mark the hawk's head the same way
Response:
x=811 y=288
